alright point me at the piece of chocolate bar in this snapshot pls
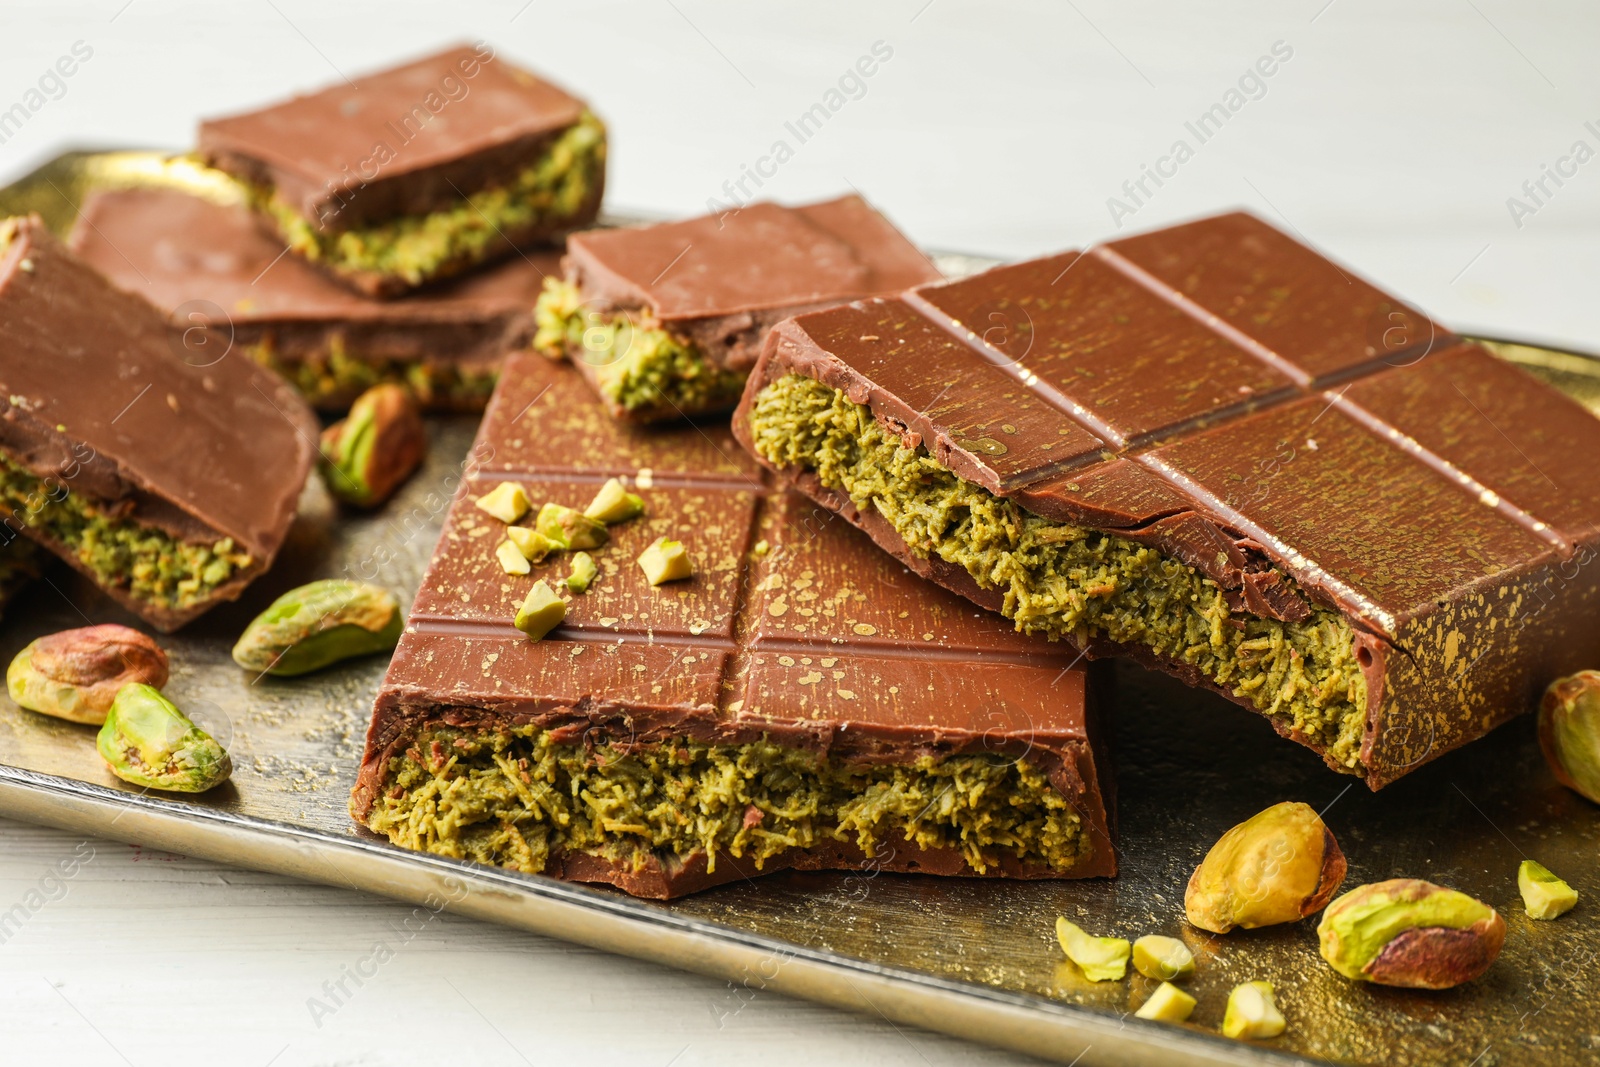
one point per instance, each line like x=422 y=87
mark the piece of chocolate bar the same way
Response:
x=206 y=264
x=419 y=172
x=800 y=701
x=1213 y=450
x=170 y=484
x=667 y=320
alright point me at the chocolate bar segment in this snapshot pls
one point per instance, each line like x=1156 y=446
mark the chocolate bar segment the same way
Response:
x=416 y=173
x=803 y=701
x=1215 y=451
x=667 y=320
x=207 y=264
x=171 y=485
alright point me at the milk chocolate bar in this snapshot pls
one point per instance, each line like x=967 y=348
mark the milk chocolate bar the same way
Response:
x=667 y=320
x=222 y=282
x=1213 y=450
x=419 y=172
x=170 y=484
x=802 y=701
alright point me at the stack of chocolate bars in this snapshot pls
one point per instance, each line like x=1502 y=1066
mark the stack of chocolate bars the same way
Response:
x=1208 y=449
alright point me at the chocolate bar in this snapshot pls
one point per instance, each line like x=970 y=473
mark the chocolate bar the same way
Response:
x=206 y=264
x=667 y=320
x=802 y=701
x=1213 y=450
x=417 y=173
x=170 y=484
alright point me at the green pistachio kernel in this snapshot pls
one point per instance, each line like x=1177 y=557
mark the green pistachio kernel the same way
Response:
x=1544 y=895
x=570 y=528
x=541 y=611
x=614 y=504
x=506 y=502
x=666 y=561
x=148 y=742
x=1101 y=959
x=583 y=573
x=533 y=545
x=318 y=624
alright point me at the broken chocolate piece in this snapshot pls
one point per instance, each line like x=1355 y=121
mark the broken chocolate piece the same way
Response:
x=1213 y=450
x=801 y=701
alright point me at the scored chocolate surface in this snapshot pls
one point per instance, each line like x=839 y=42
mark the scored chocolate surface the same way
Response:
x=97 y=399
x=793 y=627
x=1230 y=396
x=206 y=263
x=452 y=122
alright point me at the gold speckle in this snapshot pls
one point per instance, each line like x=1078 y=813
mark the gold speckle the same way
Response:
x=777 y=607
x=786 y=661
x=828 y=661
x=865 y=629
x=810 y=678
x=645 y=479
x=172 y=401
x=845 y=694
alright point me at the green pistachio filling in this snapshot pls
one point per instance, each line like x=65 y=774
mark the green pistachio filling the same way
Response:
x=334 y=377
x=547 y=192
x=514 y=798
x=1066 y=581
x=145 y=562
x=639 y=368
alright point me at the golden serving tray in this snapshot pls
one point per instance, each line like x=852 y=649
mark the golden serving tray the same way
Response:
x=970 y=958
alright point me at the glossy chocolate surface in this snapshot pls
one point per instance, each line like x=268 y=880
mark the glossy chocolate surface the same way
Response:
x=402 y=141
x=98 y=397
x=1230 y=395
x=793 y=627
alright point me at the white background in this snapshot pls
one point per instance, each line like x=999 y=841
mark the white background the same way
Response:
x=1392 y=139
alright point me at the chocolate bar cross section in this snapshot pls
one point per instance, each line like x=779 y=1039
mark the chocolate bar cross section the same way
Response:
x=802 y=701
x=1212 y=449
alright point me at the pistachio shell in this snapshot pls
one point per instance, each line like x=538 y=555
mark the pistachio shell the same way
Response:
x=76 y=674
x=1411 y=933
x=1278 y=866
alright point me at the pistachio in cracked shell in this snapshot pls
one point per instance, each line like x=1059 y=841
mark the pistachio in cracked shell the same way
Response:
x=1278 y=866
x=1411 y=933
x=1569 y=732
x=369 y=453
x=76 y=674
x=318 y=624
x=146 y=741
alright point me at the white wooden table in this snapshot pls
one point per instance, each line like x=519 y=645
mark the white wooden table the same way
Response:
x=1393 y=137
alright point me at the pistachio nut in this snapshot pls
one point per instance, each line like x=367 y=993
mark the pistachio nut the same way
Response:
x=1252 y=1012
x=147 y=741
x=1163 y=958
x=541 y=611
x=506 y=502
x=614 y=504
x=666 y=561
x=1168 y=1004
x=533 y=545
x=1543 y=894
x=369 y=453
x=75 y=674
x=1569 y=732
x=1277 y=866
x=570 y=528
x=583 y=573
x=317 y=624
x=1102 y=959
x=1407 y=932
x=512 y=561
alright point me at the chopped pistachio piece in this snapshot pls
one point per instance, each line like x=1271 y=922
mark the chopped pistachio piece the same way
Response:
x=506 y=502
x=147 y=741
x=614 y=504
x=1544 y=895
x=1252 y=1013
x=666 y=561
x=570 y=528
x=511 y=558
x=533 y=545
x=541 y=611
x=1168 y=1004
x=583 y=573
x=1101 y=959
x=1160 y=957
